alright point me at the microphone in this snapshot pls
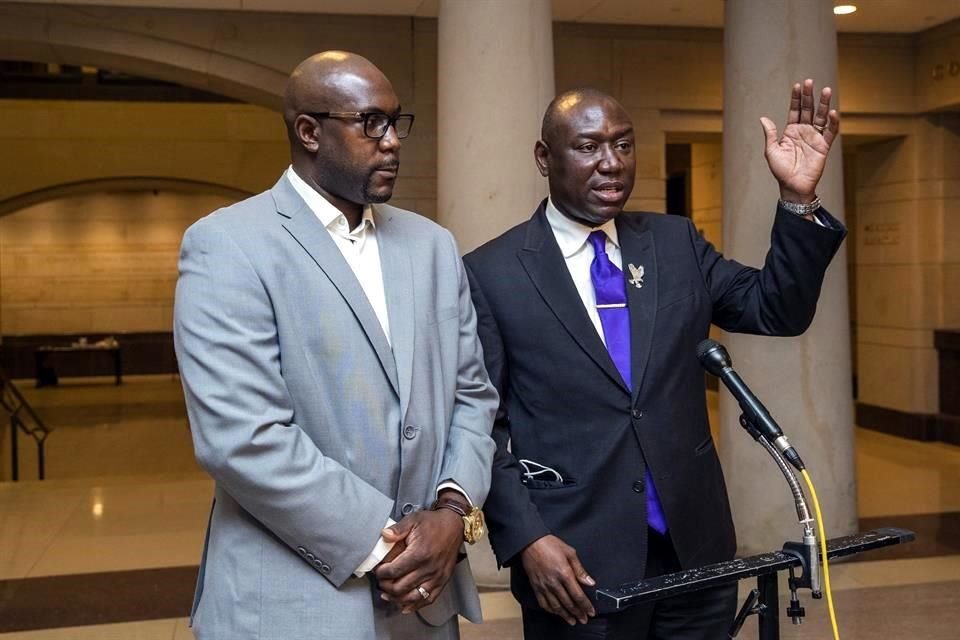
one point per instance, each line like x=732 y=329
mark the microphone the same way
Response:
x=715 y=359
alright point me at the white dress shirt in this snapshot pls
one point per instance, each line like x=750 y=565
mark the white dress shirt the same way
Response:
x=358 y=246
x=361 y=251
x=578 y=254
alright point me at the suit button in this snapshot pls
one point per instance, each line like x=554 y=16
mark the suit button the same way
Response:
x=636 y=413
x=325 y=569
x=639 y=486
x=406 y=509
x=410 y=432
x=310 y=557
x=301 y=551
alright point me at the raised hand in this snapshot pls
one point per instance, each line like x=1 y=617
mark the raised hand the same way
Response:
x=556 y=576
x=798 y=157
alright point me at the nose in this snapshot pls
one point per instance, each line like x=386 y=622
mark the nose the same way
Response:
x=390 y=141
x=610 y=160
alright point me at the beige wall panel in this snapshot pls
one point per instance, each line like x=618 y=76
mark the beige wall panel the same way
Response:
x=20 y=320
x=671 y=74
x=706 y=190
x=97 y=263
x=951 y=233
x=912 y=338
x=648 y=189
x=425 y=64
x=584 y=61
x=49 y=261
x=875 y=74
x=937 y=85
x=83 y=292
x=887 y=162
x=897 y=377
x=712 y=231
x=899 y=233
x=654 y=205
x=951 y=296
x=899 y=297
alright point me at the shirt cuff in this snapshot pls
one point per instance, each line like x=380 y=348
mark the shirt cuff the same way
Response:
x=450 y=484
x=376 y=556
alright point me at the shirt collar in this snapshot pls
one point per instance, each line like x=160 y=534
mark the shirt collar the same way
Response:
x=328 y=214
x=572 y=235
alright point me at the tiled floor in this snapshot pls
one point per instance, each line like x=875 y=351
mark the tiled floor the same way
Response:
x=124 y=495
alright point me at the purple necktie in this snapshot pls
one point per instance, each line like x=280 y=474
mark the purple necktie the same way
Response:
x=610 y=290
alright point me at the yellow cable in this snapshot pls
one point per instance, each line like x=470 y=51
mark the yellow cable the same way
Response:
x=823 y=551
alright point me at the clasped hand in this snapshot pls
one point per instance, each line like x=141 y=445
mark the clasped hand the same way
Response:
x=426 y=544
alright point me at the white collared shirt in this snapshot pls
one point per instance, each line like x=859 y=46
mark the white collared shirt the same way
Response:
x=358 y=246
x=578 y=254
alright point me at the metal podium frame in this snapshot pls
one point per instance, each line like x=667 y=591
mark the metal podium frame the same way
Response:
x=765 y=599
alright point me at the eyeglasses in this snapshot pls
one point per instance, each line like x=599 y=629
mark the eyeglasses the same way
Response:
x=375 y=123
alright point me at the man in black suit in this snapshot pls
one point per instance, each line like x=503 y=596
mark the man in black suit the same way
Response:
x=605 y=469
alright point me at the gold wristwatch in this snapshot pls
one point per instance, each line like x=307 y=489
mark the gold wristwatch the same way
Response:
x=473 y=524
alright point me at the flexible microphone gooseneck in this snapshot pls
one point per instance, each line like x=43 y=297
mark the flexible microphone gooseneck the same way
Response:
x=715 y=359
x=761 y=425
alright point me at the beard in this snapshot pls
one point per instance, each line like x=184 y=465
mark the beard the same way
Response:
x=374 y=195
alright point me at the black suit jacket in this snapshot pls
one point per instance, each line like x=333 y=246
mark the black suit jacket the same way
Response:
x=564 y=405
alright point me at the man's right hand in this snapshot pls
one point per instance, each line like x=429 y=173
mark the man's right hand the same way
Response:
x=556 y=574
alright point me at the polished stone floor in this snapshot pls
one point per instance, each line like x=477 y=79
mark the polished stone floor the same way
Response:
x=107 y=546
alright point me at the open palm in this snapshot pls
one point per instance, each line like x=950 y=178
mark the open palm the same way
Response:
x=798 y=157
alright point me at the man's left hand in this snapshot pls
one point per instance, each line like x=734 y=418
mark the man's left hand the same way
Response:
x=798 y=157
x=416 y=577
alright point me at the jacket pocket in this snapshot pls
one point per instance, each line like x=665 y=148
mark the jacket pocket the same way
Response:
x=703 y=447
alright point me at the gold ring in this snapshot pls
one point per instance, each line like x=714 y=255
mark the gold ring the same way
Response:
x=423 y=592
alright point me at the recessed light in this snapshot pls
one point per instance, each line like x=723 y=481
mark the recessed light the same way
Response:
x=844 y=9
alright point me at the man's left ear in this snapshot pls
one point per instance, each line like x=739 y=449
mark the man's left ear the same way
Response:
x=541 y=155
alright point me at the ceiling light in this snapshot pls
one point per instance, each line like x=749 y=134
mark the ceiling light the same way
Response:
x=844 y=9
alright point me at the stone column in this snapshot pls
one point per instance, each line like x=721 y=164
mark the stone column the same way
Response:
x=804 y=381
x=495 y=78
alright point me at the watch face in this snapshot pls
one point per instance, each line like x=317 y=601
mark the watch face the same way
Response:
x=473 y=526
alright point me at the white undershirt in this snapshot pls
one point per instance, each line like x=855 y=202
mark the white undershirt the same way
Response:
x=578 y=255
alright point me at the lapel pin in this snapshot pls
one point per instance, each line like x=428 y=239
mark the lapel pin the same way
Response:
x=637 y=273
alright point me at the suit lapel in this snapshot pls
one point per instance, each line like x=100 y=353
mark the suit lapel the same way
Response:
x=309 y=233
x=397 y=272
x=544 y=264
x=637 y=249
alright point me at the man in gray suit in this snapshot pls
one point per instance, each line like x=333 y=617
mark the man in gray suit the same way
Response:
x=335 y=387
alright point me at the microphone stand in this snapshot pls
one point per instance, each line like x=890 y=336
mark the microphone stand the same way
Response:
x=806 y=551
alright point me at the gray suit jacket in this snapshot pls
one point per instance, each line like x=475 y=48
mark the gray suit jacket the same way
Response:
x=313 y=427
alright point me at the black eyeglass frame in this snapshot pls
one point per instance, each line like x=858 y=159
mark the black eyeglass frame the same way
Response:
x=365 y=117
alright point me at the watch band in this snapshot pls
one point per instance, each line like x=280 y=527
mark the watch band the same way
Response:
x=473 y=523
x=801 y=208
x=452 y=506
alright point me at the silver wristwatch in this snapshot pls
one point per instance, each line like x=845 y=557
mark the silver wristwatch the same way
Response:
x=800 y=208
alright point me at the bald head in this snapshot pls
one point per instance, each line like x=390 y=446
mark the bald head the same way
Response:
x=562 y=108
x=331 y=81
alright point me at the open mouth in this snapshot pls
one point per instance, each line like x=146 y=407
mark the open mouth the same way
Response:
x=609 y=191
